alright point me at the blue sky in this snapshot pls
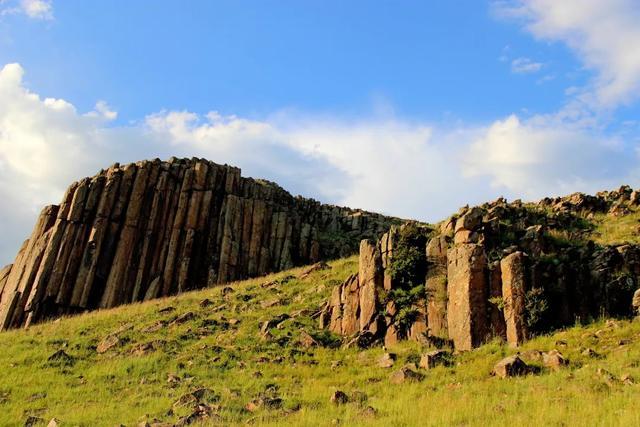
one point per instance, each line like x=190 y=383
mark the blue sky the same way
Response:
x=411 y=108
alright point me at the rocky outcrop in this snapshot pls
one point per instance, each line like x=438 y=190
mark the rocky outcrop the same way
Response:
x=504 y=270
x=467 y=295
x=154 y=228
x=513 y=270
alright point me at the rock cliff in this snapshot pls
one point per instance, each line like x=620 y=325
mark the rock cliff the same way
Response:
x=508 y=270
x=154 y=228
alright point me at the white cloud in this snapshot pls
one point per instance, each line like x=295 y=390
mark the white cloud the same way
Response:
x=34 y=9
x=383 y=163
x=525 y=66
x=603 y=34
x=539 y=157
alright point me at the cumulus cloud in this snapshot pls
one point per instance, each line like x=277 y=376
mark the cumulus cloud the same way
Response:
x=537 y=158
x=525 y=66
x=383 y=163
x=603 y=34
x=34 y=9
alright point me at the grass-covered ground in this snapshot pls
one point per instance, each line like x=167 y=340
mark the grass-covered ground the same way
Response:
x=220 y=348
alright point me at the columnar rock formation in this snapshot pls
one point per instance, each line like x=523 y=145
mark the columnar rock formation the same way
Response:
x=505 y=270
x=154 y=228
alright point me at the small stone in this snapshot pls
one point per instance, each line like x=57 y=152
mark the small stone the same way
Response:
x=510 y=367
x=405 y=374
x=554 y=360
x=627 y=379
x=206 y=303
x=189 y=315
x=164 y=310
x=53 y=423
x=32 y=421
x=589 y=352
x=369 y=412
x=387 y=360
x=306 y=340
x=606 y=376
x=435 y=358
x=339 y=398
x=60 y=357
x=109 y=342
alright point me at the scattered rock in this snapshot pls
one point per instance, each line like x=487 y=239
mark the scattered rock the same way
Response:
x=32 y=421
x=61 y=358
x=185 y=317
x=315 y=267
x=435 y=358
x=306 y=340
x=335 y=364
x=272 y=323
x=589 y=352
x=554 y=360
x=264 y=402
x=155 y=327
x=53 y=423
x=206 y=303
x=405 y=374
x=606 y=376
x=369 y=412
x=387 y=360
x=234 y=322
x=339 y=397
x=510 y=367
x=165 y=310
x=531 y=356
x=271 y=303
x=109 y=342
x=627 y=379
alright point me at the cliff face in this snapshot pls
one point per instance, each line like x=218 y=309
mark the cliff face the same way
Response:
x=153 y=229
x=505 y=270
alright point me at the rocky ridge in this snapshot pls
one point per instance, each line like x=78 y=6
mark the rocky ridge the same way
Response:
x=153 y=228
x=508 y=270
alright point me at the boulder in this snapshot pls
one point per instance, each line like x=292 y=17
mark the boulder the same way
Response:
x=510 y=367
x=435 y=358
x=554 y=360
x=405 y=374
x=387 y=360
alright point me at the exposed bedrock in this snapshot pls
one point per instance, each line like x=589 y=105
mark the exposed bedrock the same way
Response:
x=500 y=270
x=154 y=228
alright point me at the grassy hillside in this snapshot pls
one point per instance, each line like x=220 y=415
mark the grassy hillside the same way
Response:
x=154 y=365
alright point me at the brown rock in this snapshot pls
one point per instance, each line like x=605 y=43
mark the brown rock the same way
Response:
x=371 y=279
x=339 y=398
x=513 y=294
x=109 y=342
x=510 y=367
x=387 y=360
x=467 y=295
x=435 y=358
x=405 y=375
x=554 y=360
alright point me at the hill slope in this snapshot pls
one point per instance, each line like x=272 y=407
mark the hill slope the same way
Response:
x=210 y=342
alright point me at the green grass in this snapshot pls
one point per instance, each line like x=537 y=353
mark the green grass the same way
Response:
x=118 y=387
x=612 y=230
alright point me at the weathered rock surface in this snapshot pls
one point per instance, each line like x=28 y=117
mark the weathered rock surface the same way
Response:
x=467 y=290
x=154 y=228
x=513 y=294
